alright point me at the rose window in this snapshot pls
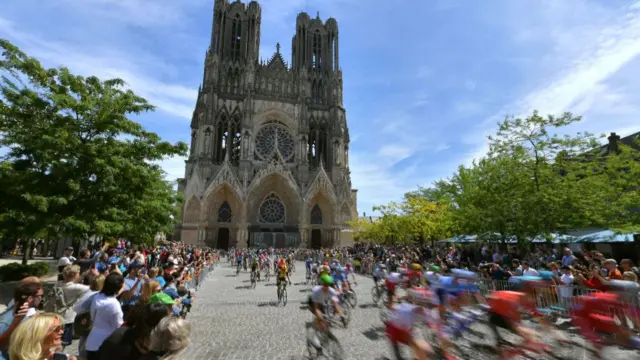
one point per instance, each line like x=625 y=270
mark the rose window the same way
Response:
x=272 y=210
x=271 y=136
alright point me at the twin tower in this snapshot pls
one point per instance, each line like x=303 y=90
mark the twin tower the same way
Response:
x=268 y=163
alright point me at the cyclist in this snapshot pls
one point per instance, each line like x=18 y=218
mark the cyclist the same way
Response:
x=283 y=275
x=339 y=280
x=254 y=267
x=349 y=271
x=399 y=327
x=322 y=295
x=414 y=275
x=505 y=310
x=391 y=282
x=308 y=263
x=593 y=313
x=380 y=273
x=239 y=263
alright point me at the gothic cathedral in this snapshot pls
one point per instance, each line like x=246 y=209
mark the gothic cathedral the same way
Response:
x=268 y=164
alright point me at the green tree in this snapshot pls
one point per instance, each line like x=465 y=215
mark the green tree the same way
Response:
x=77 y=164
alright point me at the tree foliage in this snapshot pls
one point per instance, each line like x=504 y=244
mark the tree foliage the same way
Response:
x=77 y=165
x=532 y=182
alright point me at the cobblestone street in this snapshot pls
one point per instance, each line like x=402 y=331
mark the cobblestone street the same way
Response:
x=232 y=321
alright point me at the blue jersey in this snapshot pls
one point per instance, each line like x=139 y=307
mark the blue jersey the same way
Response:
x=338 y=277
x=308 y=263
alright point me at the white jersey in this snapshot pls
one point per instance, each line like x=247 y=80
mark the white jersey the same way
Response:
x=394 y=278
x=320 y=296
x=380 y=273
x=404 y=315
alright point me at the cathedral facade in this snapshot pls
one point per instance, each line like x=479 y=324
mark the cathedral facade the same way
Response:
x=269 y=155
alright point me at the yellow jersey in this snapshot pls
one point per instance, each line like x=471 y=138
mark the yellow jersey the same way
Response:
x=282 y=272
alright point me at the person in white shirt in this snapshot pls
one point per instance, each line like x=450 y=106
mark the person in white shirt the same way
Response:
x=566 y=285
x=66 y=259
x=106 y=314
x=70 y=292
x=528 y=271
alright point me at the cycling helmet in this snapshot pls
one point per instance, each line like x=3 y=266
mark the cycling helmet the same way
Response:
x=416 y=267
x=382 y=266
x=326 y=280
x=340 y=269
x=435 y=268
x=348 y=266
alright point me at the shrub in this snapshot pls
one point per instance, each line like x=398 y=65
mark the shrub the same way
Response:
x=17 y=271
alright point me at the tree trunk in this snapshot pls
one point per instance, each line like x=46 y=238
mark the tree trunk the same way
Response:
x=25 y=252
x=45 y=246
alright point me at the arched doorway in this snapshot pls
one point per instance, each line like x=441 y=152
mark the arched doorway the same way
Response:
x=223 y=239
x=316 y=239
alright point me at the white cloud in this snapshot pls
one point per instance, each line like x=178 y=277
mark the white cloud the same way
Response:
x=139 y=70
x=174 y=167
x=395 y=152
x=579 y=86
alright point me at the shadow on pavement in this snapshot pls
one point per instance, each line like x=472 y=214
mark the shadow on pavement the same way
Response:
x=271 y=284
x=367 y=306
x=231 y=275
x=374 y=333
x=300 y=283
x=304 y=290
x=270 y=303
x=243 y=287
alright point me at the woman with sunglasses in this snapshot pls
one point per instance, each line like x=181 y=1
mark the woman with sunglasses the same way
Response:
x=38 y=338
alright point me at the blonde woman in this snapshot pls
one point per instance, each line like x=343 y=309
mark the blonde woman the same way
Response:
x=37 y=338
x=149 y=288
x=169 y=338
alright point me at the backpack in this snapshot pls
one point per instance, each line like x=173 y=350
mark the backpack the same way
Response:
x=82 y=324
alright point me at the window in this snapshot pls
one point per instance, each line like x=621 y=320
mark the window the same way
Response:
x=272 y=210
x=236 y=37
x=224 y=213
x=316 y=215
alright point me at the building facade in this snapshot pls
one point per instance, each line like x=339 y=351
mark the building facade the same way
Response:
x=269 y=157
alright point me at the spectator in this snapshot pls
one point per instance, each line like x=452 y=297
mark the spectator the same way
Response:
x=37 y=338
x=527 y=270
x=70 y=293
x=132 y=342
x=627 y=265
x=66 y=259
x=85 y=262
x=612 y=270
x=169 y=338
x=149 y=288
x=566 y=285
x=84 y=305
x=27 y=298
x=568 y=257
x=106 y=314
x=517 y=268
x=154 y=274
x=133 y=283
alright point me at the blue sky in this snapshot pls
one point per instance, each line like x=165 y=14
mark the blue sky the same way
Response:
x=424 y=81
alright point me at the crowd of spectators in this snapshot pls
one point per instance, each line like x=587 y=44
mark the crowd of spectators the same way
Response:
x=118 y=302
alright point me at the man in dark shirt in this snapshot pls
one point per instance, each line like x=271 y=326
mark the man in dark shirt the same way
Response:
x=85 y=261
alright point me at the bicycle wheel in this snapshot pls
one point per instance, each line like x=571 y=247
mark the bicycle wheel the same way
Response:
x=332 y=347
x=253 y=281
x=352 y=299
x=279 y=294
x=284 y=296
x=375 y=295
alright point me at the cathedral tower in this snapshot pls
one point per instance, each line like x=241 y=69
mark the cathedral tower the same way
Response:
x=268 y=163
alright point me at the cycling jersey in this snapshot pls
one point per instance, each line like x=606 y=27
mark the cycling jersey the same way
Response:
x=404 y=315
x=319 y=295
x=282 y=272
x=380 y=273
x=308 y=264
